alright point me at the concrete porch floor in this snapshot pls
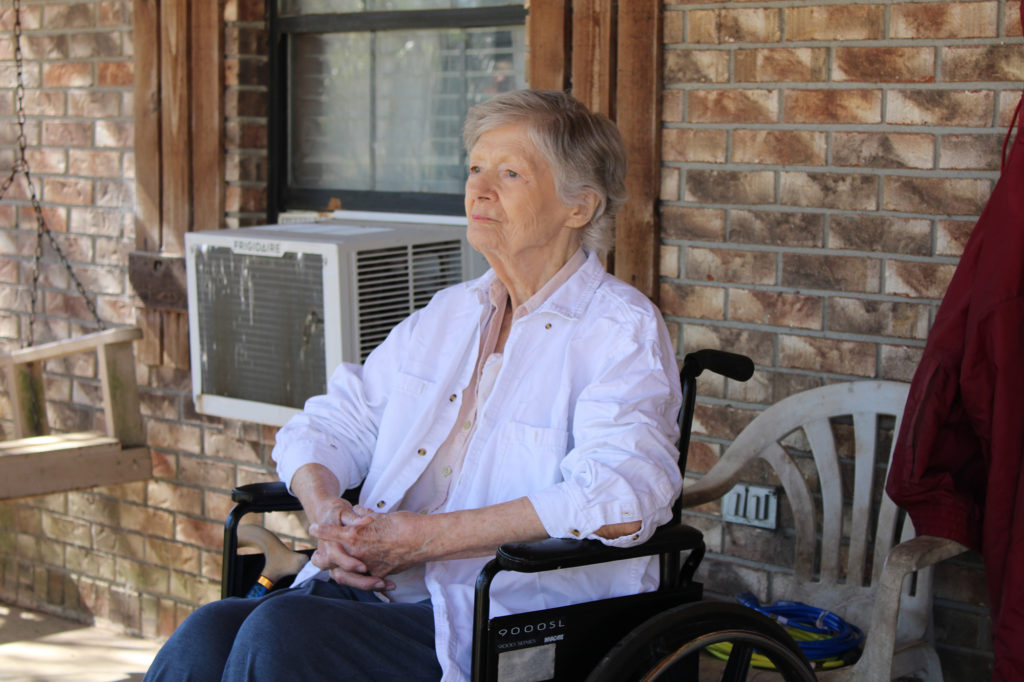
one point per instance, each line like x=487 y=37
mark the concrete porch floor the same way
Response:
x=36 y=647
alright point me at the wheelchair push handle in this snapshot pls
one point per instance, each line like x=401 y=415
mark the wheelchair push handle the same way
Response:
x=731 y=365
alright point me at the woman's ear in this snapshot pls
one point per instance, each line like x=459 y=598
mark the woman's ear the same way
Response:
x=583 y=210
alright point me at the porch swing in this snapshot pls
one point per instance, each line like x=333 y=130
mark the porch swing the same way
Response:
x=37 y=461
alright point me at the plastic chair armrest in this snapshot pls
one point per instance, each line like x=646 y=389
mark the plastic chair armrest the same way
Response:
x=903 y=559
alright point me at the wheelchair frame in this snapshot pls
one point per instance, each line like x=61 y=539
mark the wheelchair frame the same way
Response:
x=652 y=634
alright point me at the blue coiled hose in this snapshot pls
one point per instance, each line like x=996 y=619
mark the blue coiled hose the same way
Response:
x=831 y=636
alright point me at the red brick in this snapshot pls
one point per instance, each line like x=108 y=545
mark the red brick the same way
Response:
x=754 y=25
x=94 y=103
x=685 y=222
x=916 y=279
x=688 y=300
x=114 y=134
x=77 y=15
x=690 y=145
x=943 y=20
x=669 y=184
x=884 y=64
x=827 y=355
x=832 y=273
x=898 y=363
x=777 y=228
x=96 y=45
x=884 y=318
x=112 y=13
x=941 y=196
x=951 y=236
x=702 y=26
x=67 y=191
x=672 y=27
x=733 y=106
x=696 y=66
x=939 y=107
x=730 y=187
x=832 y=106
x=775 y=308
x=114 y=74
x=970 y=152
x=45 y=102
x=68 y=75
x=672 y=106
x=727 y=265
x=909 y=236
x=883 y=150
x=789 y=64
x=44 y=47
x=982 y=63
x=94 y=163
x=1012 y=19
x=854 y=192
x=46 y=160
x=837 y=22
x=68 y=133
x=199 y=532
x=779 y=147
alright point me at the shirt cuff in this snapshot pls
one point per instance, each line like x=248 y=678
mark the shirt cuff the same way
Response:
x=563 y=517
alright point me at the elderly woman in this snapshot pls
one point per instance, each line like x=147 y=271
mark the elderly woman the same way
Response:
x=537 y=401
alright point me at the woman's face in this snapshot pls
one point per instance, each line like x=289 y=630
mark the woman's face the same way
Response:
x=516 y=219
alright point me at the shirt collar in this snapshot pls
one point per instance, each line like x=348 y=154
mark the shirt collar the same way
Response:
x=498 y=293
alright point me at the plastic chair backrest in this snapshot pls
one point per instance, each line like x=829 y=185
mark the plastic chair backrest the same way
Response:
x=830 y=448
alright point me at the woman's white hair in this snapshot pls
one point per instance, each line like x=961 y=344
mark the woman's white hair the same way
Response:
x=585 y=150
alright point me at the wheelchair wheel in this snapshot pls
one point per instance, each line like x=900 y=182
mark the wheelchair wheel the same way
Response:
x=668 y=646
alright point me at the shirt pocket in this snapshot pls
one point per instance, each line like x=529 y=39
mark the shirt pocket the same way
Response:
x=406 y=406
x=530 y=458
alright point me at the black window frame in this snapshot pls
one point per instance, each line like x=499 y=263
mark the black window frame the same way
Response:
x=280 y=196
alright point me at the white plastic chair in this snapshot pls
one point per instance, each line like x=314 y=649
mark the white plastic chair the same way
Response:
x=855 y=570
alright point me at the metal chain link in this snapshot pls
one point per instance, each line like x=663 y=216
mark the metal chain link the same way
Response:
x=21 y=166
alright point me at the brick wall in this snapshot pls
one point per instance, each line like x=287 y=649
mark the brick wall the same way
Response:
x=823 y=167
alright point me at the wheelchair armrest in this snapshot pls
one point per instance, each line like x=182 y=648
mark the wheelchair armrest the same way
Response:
x=266 y=496
x=554 y=553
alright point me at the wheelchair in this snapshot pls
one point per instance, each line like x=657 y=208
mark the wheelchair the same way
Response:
x=656 y=635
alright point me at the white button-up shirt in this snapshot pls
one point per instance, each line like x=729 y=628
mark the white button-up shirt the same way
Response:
x=581 y=421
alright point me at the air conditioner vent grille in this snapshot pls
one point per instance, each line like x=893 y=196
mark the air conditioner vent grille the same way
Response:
x=393 y=282
x=255 y=343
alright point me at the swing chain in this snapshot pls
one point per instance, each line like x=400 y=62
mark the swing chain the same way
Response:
x=21 y=165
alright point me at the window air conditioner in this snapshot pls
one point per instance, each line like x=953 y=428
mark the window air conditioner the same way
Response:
x=274 y=309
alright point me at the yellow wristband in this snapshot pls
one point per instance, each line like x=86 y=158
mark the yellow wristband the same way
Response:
x=265 y=581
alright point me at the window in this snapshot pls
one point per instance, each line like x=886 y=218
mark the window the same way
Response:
x=368 y=98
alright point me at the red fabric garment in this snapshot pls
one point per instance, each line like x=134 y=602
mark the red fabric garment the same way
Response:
x=958 y=464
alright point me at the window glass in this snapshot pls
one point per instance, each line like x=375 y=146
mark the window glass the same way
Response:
x=383 y=111
x=300 y=7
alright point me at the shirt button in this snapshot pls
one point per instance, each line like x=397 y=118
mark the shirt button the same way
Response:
x=468 y=425
x=421 y=452
x=575 y=533
x=380 y=504
x=447 y=471
x=547 y=325
x=452 y=398
x=636 y=537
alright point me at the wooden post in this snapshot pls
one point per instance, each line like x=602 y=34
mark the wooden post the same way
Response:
x=594 y=55
x=121 y=393
x=146 y=46
x=549 y=27
x=639 y=118
x=25 y=386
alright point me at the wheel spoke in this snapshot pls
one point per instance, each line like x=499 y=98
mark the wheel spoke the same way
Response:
x=739 y=662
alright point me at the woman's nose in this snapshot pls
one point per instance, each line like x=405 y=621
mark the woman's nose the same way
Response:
x=478 y=185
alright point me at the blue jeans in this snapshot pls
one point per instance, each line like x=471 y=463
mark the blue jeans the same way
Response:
x=320 y=631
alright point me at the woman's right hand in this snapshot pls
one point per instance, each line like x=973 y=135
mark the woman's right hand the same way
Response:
x=344 y=568
x=319 y=492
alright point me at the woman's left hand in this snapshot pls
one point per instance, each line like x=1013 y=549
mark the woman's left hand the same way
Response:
x=389 y=543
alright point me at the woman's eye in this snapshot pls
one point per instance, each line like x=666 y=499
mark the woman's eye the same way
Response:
x=512 y=173
x=473 y=170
